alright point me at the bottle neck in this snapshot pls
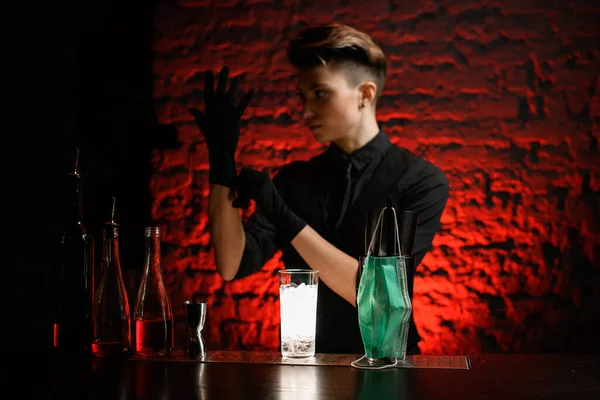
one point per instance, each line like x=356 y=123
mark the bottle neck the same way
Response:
x=74 y=214
x=110 y=253
x=152 y=249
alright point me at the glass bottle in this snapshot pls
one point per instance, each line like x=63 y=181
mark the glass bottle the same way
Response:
x=112 y=326
x=73 y=275
x=153 y=316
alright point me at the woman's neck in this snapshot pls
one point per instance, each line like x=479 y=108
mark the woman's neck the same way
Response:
x=358 y=138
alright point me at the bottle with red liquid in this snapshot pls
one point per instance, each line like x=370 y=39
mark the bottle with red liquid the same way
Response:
x=112 y=324
x=73 y=275
x=153 y=315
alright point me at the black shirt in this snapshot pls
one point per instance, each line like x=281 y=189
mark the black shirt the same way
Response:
x=316 y=191
x=361 y=165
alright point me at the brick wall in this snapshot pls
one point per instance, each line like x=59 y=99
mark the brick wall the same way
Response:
x=502 y=95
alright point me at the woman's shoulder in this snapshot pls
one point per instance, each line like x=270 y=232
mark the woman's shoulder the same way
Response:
x=418 y=166
x=299 y=169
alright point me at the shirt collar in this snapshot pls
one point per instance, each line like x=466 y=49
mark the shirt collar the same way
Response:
x=360 y=158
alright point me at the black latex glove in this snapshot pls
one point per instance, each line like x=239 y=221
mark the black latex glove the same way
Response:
x=220 y=125
x=258 y=186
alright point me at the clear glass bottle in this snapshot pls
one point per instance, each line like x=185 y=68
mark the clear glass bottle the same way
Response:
x=73 y=275
x=112 y=324
x=153 y=316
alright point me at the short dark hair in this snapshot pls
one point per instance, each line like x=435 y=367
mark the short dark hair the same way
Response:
x=342 y=46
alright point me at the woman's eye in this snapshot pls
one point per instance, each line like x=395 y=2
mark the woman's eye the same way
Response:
x=319 y=94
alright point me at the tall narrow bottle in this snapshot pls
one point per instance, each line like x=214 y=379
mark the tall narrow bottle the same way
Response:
x=153 y=317
x=112 y=326
x=73 y=274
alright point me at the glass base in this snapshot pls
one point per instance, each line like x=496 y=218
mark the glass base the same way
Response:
x=375 y=363
x=297 y=355
x=302 y=347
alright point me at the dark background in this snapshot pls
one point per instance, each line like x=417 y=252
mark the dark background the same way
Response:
x=79 y=76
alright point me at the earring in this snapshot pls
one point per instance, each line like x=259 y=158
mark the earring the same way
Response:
x=362 y=105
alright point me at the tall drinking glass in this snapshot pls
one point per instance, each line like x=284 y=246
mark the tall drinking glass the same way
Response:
x=298 y=305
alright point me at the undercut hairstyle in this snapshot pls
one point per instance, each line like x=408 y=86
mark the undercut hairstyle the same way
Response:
x=340 y=46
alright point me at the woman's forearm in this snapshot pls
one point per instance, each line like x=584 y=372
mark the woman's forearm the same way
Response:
x=337 y=269
x=227 y=232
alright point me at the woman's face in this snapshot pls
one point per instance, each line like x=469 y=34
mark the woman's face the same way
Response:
x=330 y=104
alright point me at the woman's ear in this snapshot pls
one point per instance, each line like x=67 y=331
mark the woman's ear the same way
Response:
x=368 y=92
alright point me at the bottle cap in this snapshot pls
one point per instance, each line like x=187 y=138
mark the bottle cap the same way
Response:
x=112 y=214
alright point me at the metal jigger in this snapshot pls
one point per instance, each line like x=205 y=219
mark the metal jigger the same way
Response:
x=195 y=314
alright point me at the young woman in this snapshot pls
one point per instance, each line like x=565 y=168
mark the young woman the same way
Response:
x=314 y=211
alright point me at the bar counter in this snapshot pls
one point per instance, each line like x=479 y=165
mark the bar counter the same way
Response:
x=256 y=375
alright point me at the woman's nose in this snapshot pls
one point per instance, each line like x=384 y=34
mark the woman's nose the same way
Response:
x=307 y=113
